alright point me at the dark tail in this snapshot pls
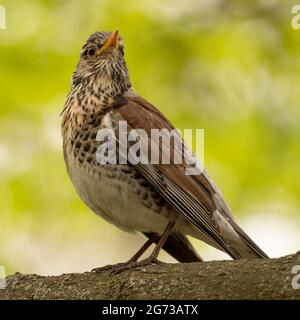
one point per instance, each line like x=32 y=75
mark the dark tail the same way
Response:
x=179 y=247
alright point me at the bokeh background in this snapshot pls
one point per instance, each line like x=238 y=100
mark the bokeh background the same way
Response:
x=230 y=67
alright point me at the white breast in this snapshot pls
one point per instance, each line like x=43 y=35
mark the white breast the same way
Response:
x=116 y=200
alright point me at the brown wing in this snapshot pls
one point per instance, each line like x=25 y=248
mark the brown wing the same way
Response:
x=194 y=196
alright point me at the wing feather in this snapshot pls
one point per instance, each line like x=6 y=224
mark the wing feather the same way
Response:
x=196 y=197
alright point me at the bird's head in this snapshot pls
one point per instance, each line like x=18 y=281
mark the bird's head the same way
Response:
x=102 y=63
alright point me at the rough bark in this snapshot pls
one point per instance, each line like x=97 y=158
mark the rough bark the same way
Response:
x=244 y=279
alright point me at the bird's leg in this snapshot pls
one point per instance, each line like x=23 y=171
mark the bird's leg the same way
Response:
x=132 y=260
x=146 y=245
x=159 y=245
x=153 y=257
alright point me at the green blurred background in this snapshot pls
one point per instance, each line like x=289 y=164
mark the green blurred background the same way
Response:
x=230 y=67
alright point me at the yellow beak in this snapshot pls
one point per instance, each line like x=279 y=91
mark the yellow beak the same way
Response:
x=112 y=41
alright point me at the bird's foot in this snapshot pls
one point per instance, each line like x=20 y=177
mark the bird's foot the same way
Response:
x=109 y=267
x=134 y=264
x=149 y=261
x=120 y=267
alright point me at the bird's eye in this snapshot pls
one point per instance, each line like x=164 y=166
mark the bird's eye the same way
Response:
x=91 y=51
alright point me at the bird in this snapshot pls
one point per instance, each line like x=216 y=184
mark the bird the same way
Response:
x=158 y=200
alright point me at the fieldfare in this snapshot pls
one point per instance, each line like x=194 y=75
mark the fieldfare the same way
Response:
x=159 y=200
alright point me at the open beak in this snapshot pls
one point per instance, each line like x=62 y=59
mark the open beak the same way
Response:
x=111 y=42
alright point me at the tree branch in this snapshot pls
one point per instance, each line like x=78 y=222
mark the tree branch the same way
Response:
x=243 y=279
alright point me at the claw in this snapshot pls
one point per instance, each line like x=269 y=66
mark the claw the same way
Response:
x=108 y=267
x=123 y=267
x=120 y=267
